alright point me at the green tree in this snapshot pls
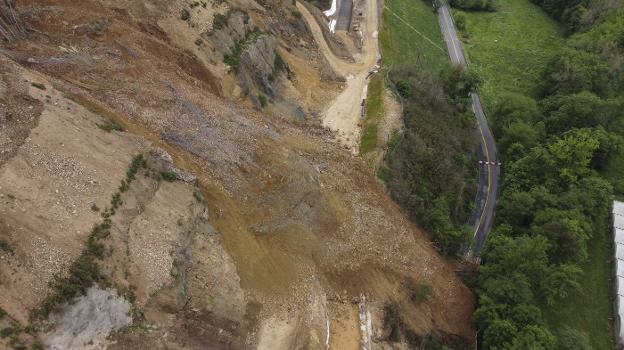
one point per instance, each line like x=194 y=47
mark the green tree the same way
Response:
x=572 y=339
x=521 y=133
x=517 y=208
x=558 y=281
x=511 y=289
x=458 y=83
x=582 y=110
x=499 y=334
x=535 y=338
x=567 y=232
x=569 y=157
x=513 y=108
x=572 y=71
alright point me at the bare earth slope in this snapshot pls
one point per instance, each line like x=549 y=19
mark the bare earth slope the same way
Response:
x=273 y=244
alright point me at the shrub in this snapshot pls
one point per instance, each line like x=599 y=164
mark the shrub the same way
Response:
x=6 y=247
x=17 y=344
x=263 y=100
x=39 y=86
x=6 y=332
x=460 y=22
x=424 y=293
x=110 y=125
x=199 y=196
x=168 y=176
x=392 y=321
x=280 y=64
x=403 y=88
x=219 y=21
x=185 y=15
x=418 y=293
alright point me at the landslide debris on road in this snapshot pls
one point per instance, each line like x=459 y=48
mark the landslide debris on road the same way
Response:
x=265 y=229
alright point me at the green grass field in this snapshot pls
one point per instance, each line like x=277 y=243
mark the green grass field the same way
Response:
x=410 y=34
x=589 y=310
x=510 y=48
x=374 y=111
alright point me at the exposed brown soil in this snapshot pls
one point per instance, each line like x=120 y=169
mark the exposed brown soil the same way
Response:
x=284 y=221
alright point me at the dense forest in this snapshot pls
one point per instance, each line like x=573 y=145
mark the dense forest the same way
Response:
x=557 y=145
x=475 y=5
x=429 y=168
x=579 y=15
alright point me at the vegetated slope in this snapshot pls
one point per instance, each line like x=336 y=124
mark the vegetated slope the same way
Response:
x=266 y=229
x=430 y=166
x=509 y=47
x=545 y=279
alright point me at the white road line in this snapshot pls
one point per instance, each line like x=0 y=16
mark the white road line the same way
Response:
x=448 y=33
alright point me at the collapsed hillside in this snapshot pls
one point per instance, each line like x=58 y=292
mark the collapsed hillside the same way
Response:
x=226 y=216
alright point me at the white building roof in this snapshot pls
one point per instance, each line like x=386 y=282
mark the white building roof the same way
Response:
x=619 y=236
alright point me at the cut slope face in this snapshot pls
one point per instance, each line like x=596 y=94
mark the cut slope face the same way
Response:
x=280 y=229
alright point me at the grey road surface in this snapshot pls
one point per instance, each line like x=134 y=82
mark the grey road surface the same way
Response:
x=345 y=11
x=490 y=172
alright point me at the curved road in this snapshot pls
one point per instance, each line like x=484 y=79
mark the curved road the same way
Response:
x=490 y=169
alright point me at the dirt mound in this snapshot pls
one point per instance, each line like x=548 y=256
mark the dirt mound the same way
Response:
x=273 y=230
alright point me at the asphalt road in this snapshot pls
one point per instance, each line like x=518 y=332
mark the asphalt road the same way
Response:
x=489 y=174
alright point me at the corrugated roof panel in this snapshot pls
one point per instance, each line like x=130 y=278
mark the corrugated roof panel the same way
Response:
x=619 y=236
x=618 y=221
x=619 y=251
x=620 y=301
x=618 y=208
x=620 y=267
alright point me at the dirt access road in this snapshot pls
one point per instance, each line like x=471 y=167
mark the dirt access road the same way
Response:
x=343 y=115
